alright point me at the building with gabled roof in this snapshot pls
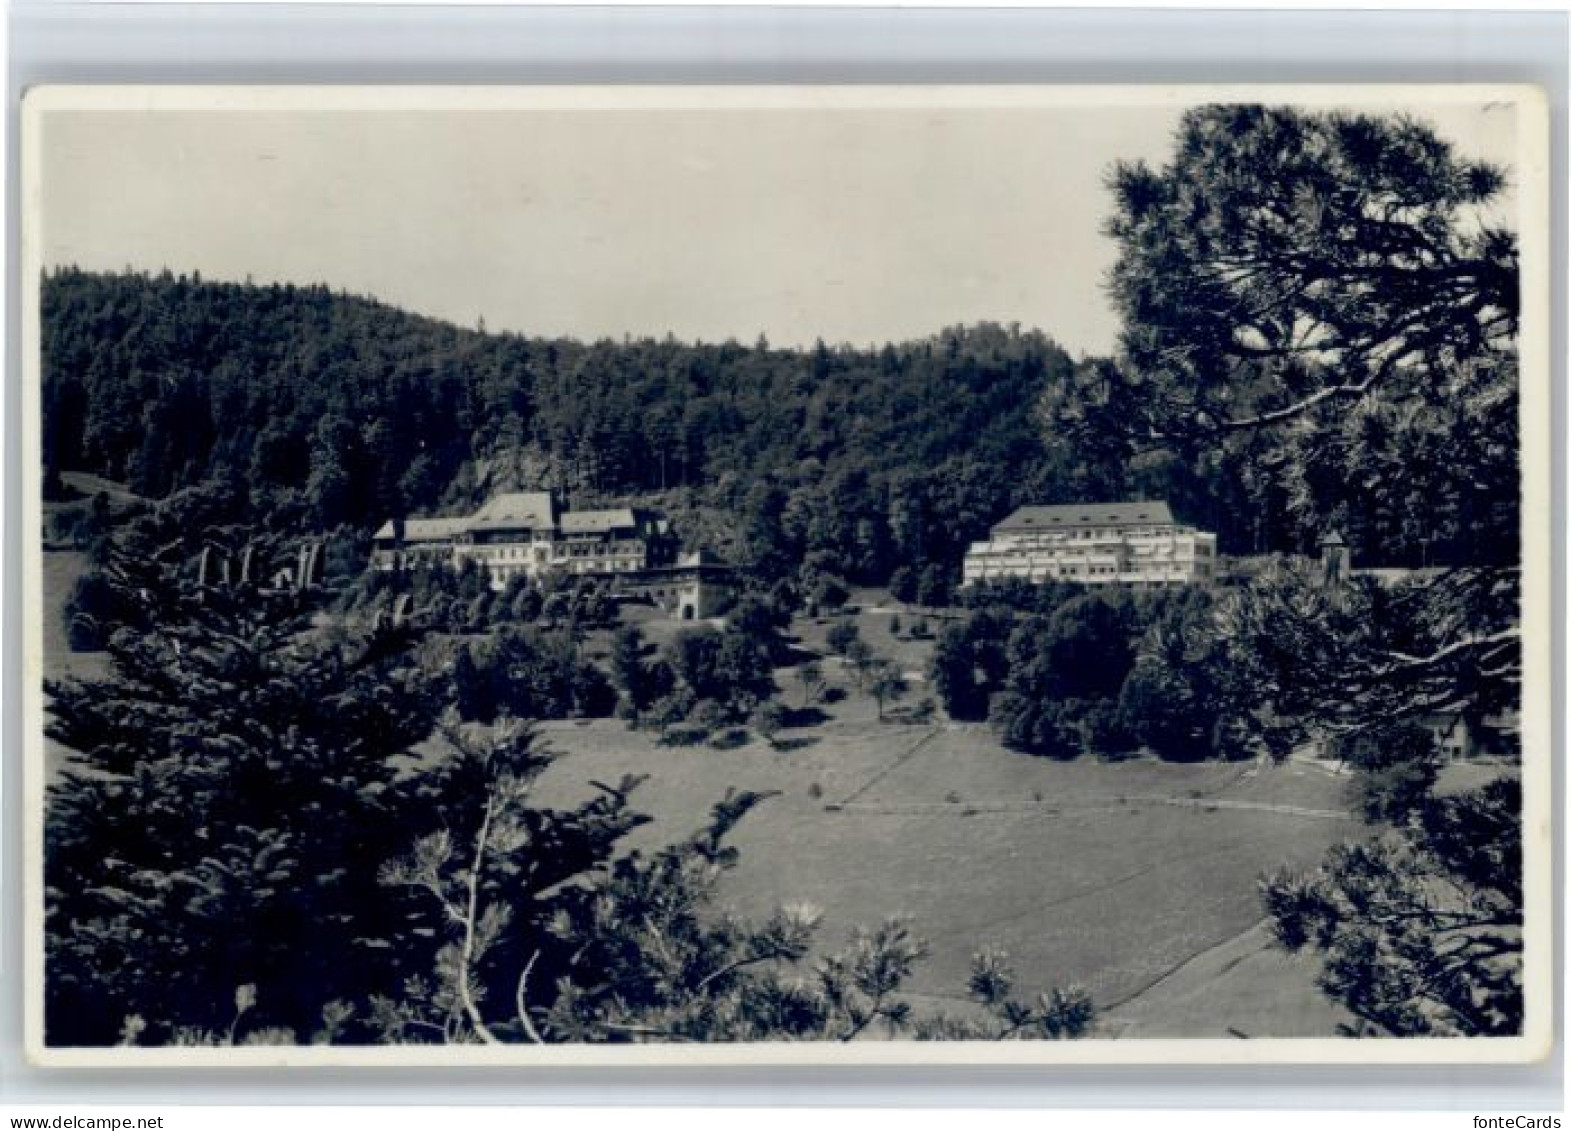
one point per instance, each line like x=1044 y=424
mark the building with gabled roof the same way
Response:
x=1138 y=544
x=515 y=511
x=598 y=522
x=524 y=533
x=1032 y=519
x=420 y=531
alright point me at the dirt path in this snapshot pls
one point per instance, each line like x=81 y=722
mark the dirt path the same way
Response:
x=969 y=809
x=1243 y=987
x=894 y=764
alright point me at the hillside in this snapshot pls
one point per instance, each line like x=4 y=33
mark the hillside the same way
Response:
x=841 y=460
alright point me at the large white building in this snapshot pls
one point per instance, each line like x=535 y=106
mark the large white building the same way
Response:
x=524 y=533
x=1135 y=544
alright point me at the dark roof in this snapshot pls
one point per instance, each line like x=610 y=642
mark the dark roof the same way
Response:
x=424 y=529
x=515 y=510
x=1079 y=515
x=598 y=522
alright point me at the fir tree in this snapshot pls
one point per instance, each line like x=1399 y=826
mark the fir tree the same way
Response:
x=226 y=799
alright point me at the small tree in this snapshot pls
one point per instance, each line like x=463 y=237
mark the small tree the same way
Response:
x=630 y=675
x=810 y=677
x=474 y=694
x=769 y=719
x=886 y=683
x=861 y=658
x=841 y=636
x=1323 y=302
x=483 y=887
x=934 y=587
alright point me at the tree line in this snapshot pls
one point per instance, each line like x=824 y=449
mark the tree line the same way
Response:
x=1062 y=671
x=846 y=461
x=859 y=465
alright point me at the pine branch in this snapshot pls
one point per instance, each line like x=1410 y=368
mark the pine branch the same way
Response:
x=466 y=954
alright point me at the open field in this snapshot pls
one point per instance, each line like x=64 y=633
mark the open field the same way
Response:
x=1109 y=876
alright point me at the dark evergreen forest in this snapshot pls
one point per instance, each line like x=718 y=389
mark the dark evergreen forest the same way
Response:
x=870 y=465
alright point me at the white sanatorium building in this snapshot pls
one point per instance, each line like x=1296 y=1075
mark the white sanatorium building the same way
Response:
x=1135 y=544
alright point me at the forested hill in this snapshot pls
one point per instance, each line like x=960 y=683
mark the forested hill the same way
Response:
x=345 y=410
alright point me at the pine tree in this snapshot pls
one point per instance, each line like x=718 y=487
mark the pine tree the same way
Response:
x=636 y=952
x=1325 y=302
x=1421 y=931
x=227 y=796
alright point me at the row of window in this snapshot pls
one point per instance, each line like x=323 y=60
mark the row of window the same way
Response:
x=1108 y=573
x=1122 y=546
x=1092 y=533
x=1134 y=564
x=1133 y=553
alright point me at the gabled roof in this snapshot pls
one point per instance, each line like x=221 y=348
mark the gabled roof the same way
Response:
x=598 y=522
x=1081 y=515
x=515 y=510
x=424 y=529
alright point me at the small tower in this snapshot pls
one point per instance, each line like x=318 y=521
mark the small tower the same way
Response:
x=1335 y=563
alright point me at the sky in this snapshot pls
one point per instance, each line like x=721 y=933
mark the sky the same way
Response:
x=859 y=223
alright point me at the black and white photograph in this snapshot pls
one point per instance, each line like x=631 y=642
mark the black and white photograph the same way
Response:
x=807 y=575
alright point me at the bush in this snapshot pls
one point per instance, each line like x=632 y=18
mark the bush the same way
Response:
x=92 y=611
x=769 y=719
x=902 y=584
x=842 y=635
x=1158 y=708
x=1050 y=729
x=1397 y=767
x=528 y=674
x=934 y=587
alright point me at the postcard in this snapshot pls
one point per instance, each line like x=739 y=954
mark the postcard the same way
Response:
x=787 y=575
